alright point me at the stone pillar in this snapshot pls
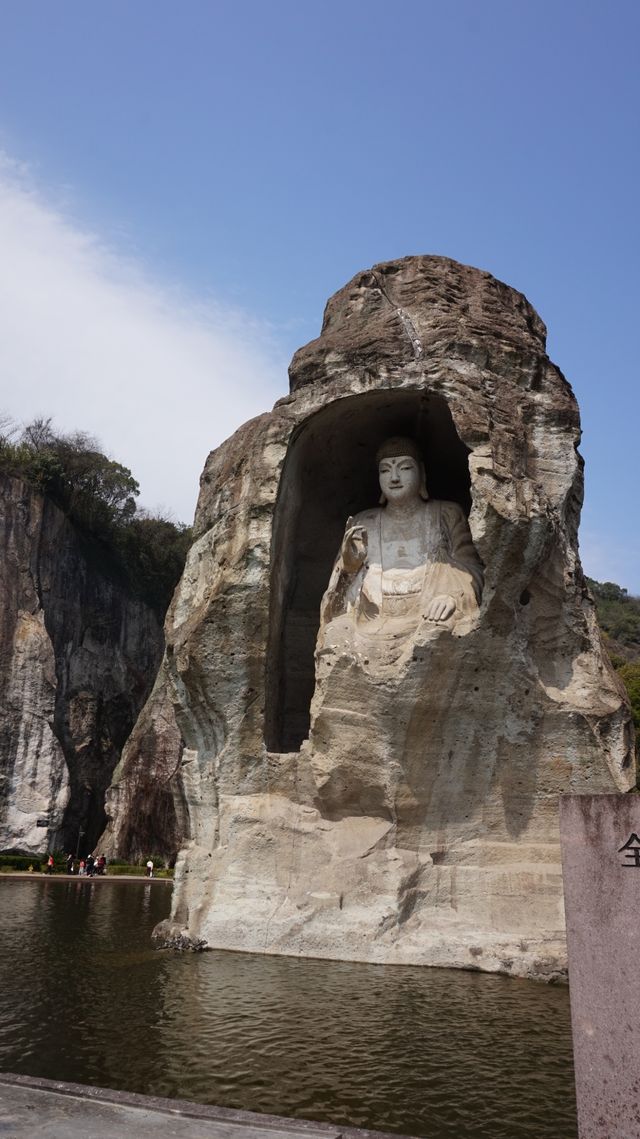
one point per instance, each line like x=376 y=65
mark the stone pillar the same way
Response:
x=600 y=837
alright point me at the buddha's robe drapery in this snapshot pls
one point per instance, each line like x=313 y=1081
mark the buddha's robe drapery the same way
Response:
x=383 y=599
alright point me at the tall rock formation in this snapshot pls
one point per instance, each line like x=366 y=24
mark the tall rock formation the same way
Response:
x=399 y=807
x=78 y=656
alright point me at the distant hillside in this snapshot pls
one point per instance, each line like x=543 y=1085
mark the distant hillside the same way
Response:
x=619 y=619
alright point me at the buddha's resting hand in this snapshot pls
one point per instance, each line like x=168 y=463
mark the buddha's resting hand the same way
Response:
x=354 y=548
x=440 y=608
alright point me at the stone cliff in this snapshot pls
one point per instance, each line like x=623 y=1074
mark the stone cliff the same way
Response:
x=78 y=656
x=330 y=808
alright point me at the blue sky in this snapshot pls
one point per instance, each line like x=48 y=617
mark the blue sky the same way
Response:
x=184 y=185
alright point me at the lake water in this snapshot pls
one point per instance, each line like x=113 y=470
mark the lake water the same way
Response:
x=428 y=1052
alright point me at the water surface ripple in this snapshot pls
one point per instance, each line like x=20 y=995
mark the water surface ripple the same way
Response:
x=428 y=1052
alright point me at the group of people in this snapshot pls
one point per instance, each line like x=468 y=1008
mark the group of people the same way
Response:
x=89 y=866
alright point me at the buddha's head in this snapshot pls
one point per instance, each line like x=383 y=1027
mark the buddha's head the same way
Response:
x=401 y=471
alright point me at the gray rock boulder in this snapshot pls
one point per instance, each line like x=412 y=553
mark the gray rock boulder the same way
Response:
x=406 y=813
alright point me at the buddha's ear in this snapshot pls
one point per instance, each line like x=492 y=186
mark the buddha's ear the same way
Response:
x=382 y=501
x=423 y=492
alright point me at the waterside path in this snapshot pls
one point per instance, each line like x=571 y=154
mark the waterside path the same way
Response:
x=48 y=1109
x=36 y=875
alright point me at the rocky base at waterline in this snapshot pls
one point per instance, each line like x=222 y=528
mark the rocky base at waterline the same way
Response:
x=453 y=948
x=403 y=812
x=167 y=935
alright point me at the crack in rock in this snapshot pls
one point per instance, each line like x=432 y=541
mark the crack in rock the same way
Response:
x=404 y=318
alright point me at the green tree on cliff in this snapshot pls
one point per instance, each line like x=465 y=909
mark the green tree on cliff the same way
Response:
x=98 y=495
x=94 y=490
x=619 y=619
x=630 y=675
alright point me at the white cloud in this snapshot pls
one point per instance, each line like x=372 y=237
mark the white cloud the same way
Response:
x=87 y=336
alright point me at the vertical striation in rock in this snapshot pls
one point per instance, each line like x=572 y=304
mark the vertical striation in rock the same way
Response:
x=147 y=804
x=78 y=655
x=406 y=813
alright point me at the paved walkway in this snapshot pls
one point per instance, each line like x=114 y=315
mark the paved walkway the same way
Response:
x=45 y=1109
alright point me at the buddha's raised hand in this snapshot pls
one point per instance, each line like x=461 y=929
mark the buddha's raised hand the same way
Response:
x=354 y=548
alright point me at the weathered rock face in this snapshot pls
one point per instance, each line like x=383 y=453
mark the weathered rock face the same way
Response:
x=407 y=814
x=78 y=656
x=147 y=803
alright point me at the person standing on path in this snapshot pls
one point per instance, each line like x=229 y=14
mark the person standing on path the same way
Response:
x=149 y=869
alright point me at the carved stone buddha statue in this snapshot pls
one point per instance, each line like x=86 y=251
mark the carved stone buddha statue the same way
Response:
x=408 y=564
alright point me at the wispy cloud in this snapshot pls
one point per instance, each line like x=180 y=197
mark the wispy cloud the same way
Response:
x=87 y=335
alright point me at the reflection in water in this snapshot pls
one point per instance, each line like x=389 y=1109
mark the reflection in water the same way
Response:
x=423 y=1051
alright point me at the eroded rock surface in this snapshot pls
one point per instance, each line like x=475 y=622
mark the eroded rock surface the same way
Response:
x=410 y=815
x=78 y=656
x=148 y=806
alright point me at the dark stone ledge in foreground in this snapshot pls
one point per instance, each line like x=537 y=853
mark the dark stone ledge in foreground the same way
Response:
x=56 y=1110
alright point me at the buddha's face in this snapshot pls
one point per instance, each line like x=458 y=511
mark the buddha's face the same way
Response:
x=400 y=478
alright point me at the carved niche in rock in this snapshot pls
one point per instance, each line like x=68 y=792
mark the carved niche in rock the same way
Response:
x=330 y=474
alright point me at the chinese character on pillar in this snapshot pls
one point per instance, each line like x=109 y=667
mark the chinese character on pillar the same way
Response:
x=632 y=847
